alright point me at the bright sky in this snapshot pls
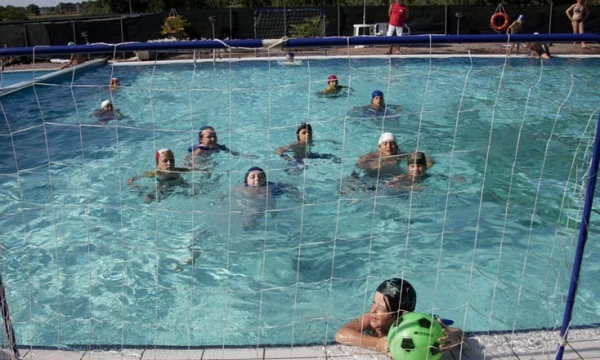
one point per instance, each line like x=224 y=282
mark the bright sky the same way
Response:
x=40 y=3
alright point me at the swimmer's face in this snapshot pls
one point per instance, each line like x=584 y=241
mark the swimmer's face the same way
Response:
x=416 y=170
x=381 y=318
x=166 y=161
x=108 y=107
x=304 y=135
x=388 y=148
x=332 y=84
x=256 y=178
x=377 y=100
x=208 y=137
x=289 y=58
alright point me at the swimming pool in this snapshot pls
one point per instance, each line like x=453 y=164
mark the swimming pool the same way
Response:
x=81 y=243
x=8 y=78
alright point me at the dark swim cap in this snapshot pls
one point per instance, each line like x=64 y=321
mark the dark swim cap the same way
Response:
x=204 y=128
x=416 y=158
x=376 y=93
x=399 y=295
x=254 y=168
x=303 y=126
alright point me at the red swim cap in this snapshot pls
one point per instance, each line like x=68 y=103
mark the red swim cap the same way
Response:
x=332 y=77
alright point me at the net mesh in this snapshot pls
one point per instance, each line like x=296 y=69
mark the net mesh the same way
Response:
x=279 y=23
x=91 y=257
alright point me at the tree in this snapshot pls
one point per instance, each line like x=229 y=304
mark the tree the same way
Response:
x=12 y=13
x=33 y=9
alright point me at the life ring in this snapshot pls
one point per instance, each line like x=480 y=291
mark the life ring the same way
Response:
x=504 y=23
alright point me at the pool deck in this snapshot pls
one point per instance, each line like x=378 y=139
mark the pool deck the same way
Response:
x=559 y=50
x=541 y=345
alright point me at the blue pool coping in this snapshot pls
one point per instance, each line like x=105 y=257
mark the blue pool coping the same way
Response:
x=88 y=65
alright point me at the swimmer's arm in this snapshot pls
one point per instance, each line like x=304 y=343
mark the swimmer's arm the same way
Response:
x=569 y=11
x=149 y=174
x=282 y=149
x=368 y=162
x=353 y=334
x=453 y=339
x=71 y=61
x=511 y=26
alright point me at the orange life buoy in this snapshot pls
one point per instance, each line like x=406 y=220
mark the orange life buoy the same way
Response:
x=504 y=23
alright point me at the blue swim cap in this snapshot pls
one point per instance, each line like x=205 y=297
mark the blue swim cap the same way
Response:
x=376 y=93
x=522 y=17
x=254 y=168
x=70 y=43
x=290 y=54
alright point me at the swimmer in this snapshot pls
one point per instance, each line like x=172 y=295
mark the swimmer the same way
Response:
x=513 y=29
x=539 y=50
x=392 y=299
x=257 y=195
x=166 y=174
x=106 y=112
x=208 y=145
x=114 y=84
x=289 y=58
x=301 y=148
x=378 y=104
x=385 y=161
x=333 y=86
x=416 y=164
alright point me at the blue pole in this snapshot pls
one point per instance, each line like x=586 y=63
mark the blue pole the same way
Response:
x=583 y=234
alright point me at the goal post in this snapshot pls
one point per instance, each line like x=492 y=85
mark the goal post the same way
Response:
x=294 y=22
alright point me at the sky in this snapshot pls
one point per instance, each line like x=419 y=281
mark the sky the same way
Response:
x=40 y=3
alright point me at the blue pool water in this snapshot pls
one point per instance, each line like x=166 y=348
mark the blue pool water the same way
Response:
x=487 y=241
x=8 y=78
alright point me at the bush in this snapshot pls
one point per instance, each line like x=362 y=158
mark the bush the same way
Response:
x=310 y=27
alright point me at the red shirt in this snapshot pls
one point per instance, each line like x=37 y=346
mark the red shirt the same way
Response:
x=398 y=15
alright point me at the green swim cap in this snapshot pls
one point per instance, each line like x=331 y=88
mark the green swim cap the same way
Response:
x=415 y=337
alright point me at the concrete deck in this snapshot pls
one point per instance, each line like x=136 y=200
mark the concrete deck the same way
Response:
x=583 y=344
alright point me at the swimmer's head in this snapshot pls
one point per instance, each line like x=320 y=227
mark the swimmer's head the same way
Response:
x=165 y=159
x=332 y=80
x=255 y=177
x=416 y=163
x=207 y=136
x=70 y=43
x=377 y=97
x=399 y=295
x=536 y=33
x=388 y=144
x=114 y=81
x=304 y=132
x=521 y=18
x=106 y=105
x=290 y=56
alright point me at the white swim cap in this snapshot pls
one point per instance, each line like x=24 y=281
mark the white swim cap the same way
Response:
x=536 y=33
x=388 y=136
x=105 y=103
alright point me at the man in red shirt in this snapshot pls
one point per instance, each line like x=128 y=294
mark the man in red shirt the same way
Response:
x=398 y=13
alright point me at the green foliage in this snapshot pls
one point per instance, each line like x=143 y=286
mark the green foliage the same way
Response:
x=33 y=9
x=175 y=26
x=95 y=8
x=12 y=13
x=310 y=27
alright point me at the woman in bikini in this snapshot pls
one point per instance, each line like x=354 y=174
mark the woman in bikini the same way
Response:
x=578 y=13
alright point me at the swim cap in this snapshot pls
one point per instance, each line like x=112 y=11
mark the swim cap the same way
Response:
x=105 y=103
x=70 y=43
x=399 y=295
x=202 y=128
x=536 y=33
x=290 y=54
x=522 y=17
x=114 y=81
x=388 y=136
x=376 y=93
x=160 y=152
x=332 y=77
x=416 y=158
x=254 y=168
x=303 y=126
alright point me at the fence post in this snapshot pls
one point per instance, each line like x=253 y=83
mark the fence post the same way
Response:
x=550 y=20
x=74 y=32
x=446 y=19
x=10 y=333
x=25 y=31
x=339 y=25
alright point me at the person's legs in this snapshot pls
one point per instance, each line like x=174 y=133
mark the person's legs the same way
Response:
x=399 y=32
x=512 y=45
x=581 y=32
x=390 y=32
x=575 y=25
